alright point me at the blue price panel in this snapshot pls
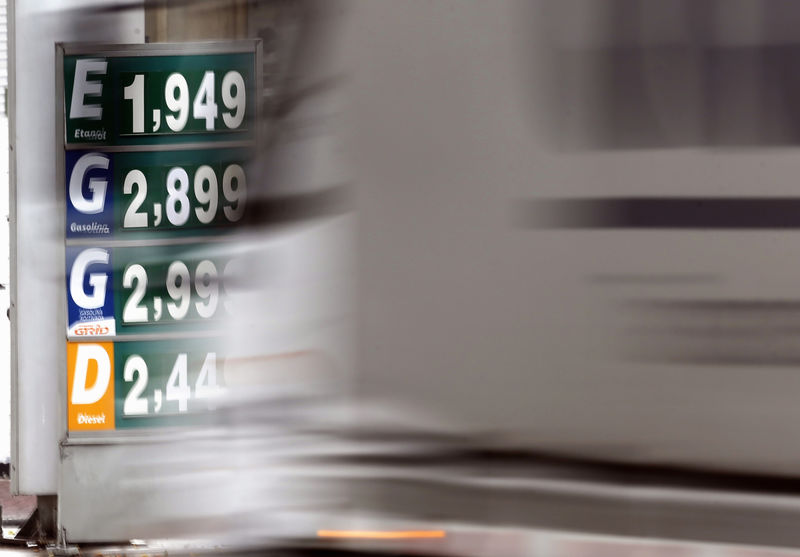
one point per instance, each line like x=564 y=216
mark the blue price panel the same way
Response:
x=125 y=291
x=90 y=303
x=155 y=194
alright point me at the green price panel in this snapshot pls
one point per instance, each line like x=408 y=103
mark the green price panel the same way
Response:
x=126 y=291
x=160 y=94
x=124 y=385
x=155 y=194
x=166 y=383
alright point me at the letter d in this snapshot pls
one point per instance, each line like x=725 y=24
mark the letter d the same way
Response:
x=83 y=87
x=81 y=392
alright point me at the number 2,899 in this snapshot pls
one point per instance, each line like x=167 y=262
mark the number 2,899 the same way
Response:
x=206 y=190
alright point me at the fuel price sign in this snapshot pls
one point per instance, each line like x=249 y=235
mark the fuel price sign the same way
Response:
x=157 y=143
x=124 y=385
x=168 y=289
x=160 y=94
x=155 y=193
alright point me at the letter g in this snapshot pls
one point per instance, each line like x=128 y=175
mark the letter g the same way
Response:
x=97 y=281
x=97 y=186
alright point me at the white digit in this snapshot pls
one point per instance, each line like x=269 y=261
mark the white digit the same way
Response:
x=207 y=287
x=133 y=218
x=204 y=106
x=235 y=102
x=231 y=285
x=206 y=385
x=235 y=195
x=178 y=291
x=135 y=93
x=177 y=190
x=178 y=385
x=133 y=312
x=227 y=273
x=179 y=103
x=134 y=404
x=205 y=174
x=157 y=308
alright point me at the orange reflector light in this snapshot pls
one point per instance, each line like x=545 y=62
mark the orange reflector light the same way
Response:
x=382 y=535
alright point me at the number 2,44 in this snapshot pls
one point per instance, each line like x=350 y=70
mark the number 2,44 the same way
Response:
x=177 y=388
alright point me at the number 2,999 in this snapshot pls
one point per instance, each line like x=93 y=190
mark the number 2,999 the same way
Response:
x=178 y=207
x=201 y=284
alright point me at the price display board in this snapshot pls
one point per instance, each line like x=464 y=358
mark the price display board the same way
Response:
x=141 y=384
x=155 y=193
x=157 y=96
x=157 y=143
x=123 y=291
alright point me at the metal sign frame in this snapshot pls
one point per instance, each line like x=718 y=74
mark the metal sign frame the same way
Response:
x=62 y=50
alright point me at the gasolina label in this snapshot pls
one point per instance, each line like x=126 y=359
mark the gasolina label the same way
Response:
x=124 y=291
x=90 y=210
x=90 y=303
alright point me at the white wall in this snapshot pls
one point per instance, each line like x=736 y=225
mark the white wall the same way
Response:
x=37 y=218
x=5 y=377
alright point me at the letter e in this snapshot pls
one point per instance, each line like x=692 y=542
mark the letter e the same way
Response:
x=82 y=87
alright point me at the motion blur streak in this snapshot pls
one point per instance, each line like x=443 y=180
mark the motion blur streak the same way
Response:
x=511 y=266
x=627 y=74
x=377 y=535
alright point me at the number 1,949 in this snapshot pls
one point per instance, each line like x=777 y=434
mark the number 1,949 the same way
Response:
x=178 y=98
